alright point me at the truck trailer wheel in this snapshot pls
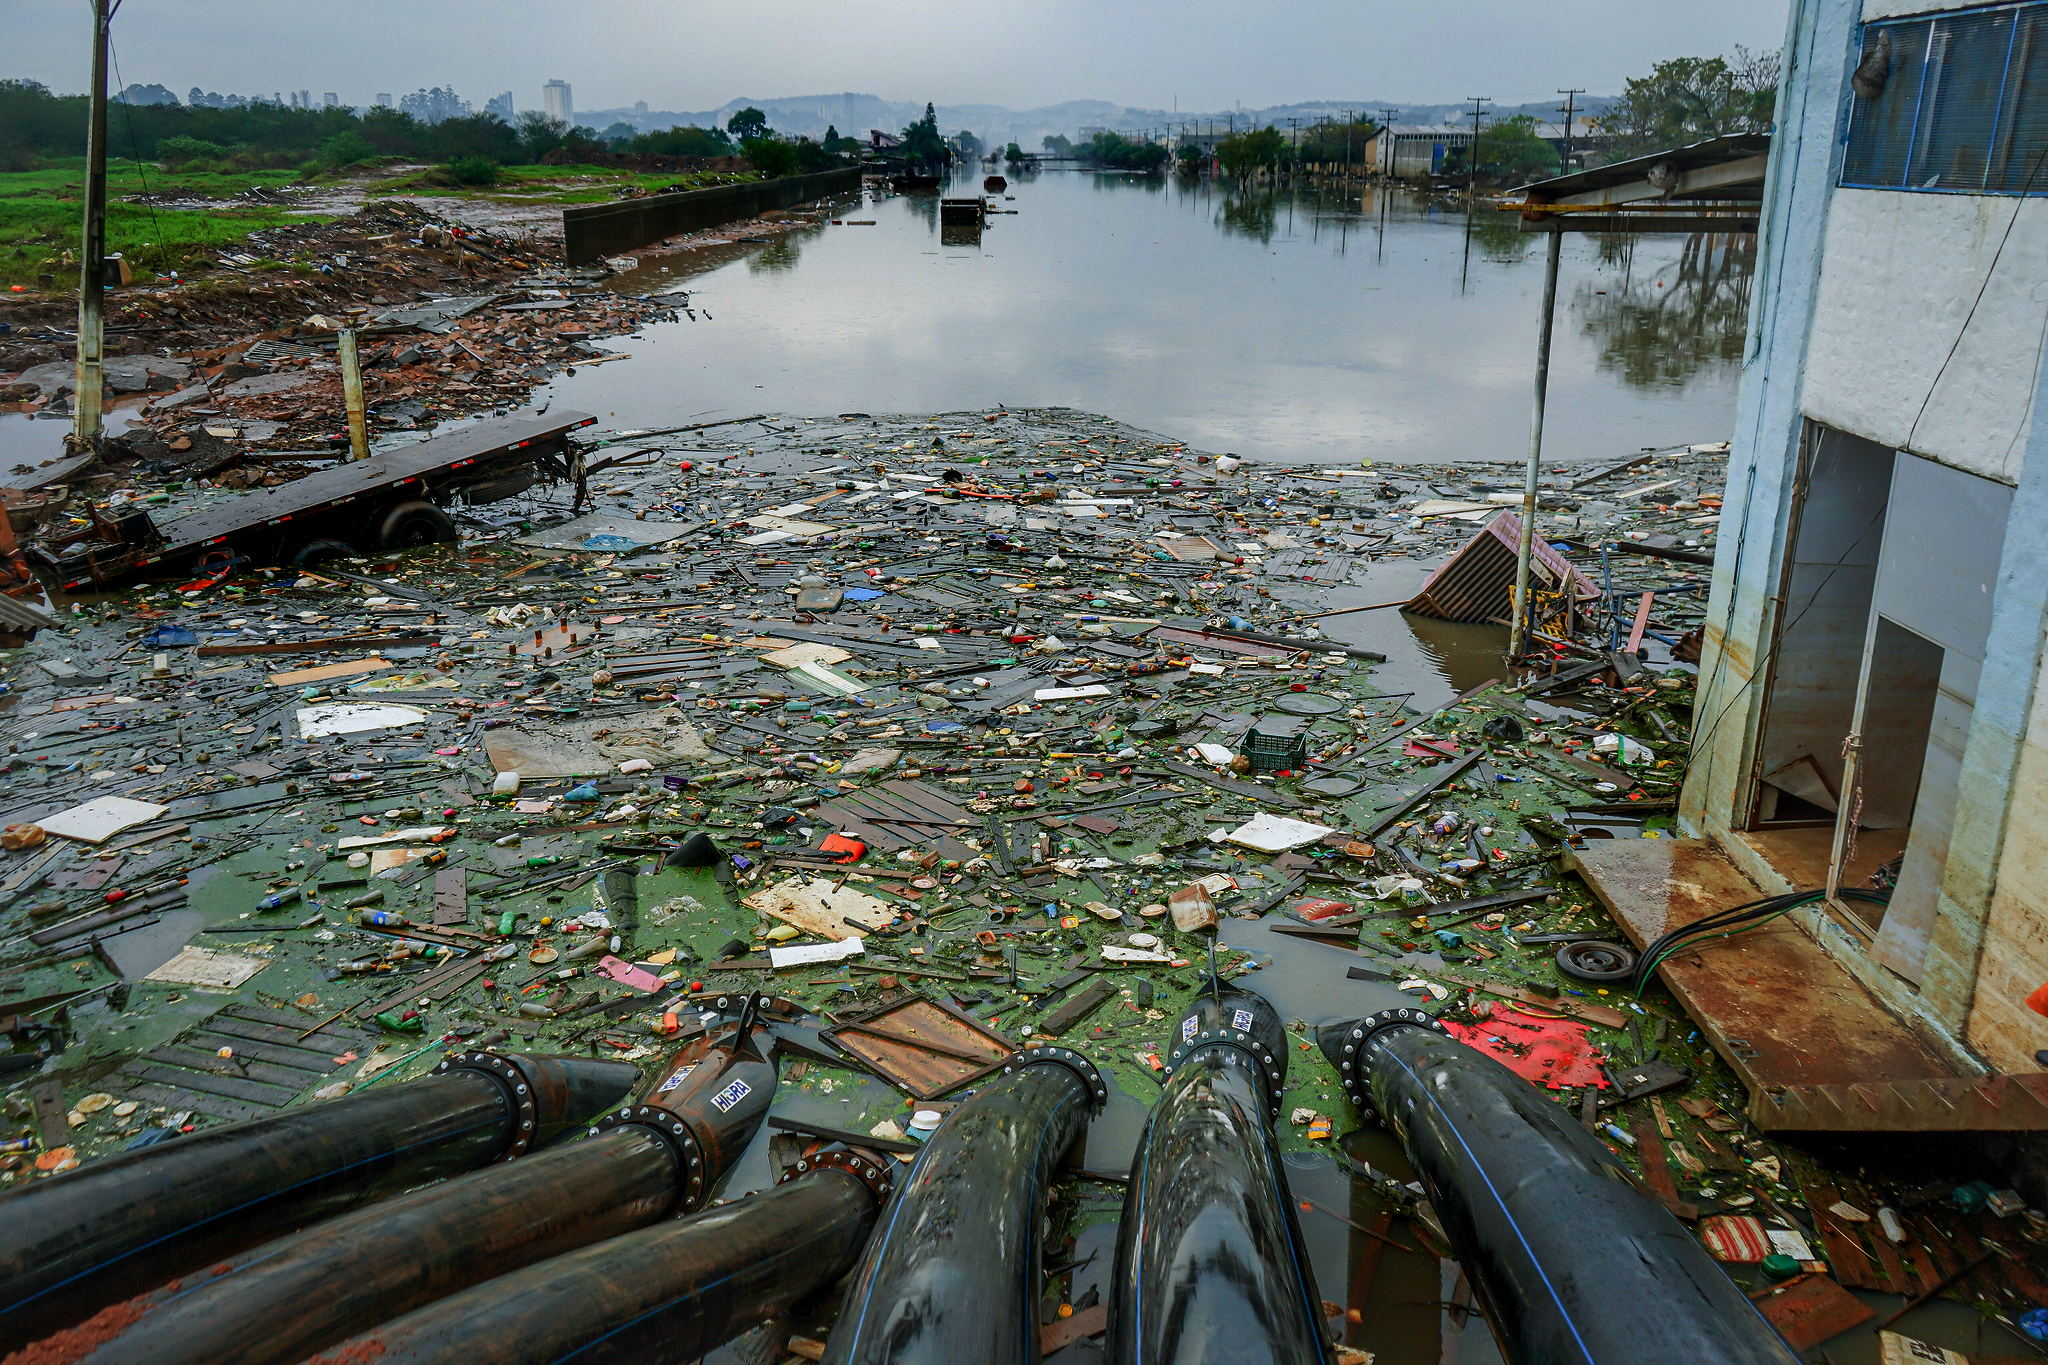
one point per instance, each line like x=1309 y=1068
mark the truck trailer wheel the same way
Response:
x=413 y=524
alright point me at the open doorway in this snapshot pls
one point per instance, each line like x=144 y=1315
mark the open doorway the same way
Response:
x=1873 y=679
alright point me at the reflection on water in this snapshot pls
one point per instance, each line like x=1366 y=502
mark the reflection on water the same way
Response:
x=1681 y=306
x=1315 y=325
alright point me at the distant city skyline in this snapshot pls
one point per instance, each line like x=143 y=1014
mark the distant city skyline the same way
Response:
x=1195 y=54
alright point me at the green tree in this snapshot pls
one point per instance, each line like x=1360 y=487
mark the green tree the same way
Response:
x=968 y=145
x=1510 y=150
x=1255 y=149
x=1191 y=156
x=346 y=149
x=1116 y=152
x=1056 y=144
x=684 y=140
x=1013 y=154
x=771 y=156
x=747 y=123
x=833 y=141
x=923 y=147
x=1690 y=99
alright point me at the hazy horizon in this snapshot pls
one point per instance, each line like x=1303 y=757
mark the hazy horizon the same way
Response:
x=1199 y=56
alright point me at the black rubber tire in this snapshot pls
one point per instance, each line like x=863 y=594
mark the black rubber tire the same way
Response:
x=324 y=549
x=1596 y=961
x=413 y=524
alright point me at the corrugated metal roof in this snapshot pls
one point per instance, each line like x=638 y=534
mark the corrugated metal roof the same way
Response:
x=17 y=616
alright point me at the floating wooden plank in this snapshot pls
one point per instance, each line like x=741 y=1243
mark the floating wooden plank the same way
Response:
x=251 y=1068
x=274 y=1097
x=1077 y=1009
x=1813 y=1309
x=299 y=677
x=318 y=1061
x=173 y=1098
x=971 y=1049
x=451 y=896
x=1064 y=1332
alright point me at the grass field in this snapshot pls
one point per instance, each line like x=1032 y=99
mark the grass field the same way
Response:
x=41 y=216
x=41 y=210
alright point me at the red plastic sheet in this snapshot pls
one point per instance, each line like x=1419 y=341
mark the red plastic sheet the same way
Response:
x=1554 y=1053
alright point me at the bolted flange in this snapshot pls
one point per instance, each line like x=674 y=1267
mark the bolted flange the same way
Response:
x=878 y=1175
x=681 y=1141
x=519 y=1093
x=1351 y=1070
x=1098 y=1090
x=1271 y=1074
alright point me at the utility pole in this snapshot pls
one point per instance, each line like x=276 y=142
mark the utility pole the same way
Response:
x=1472 y=156
x=85 y=419
x=1569 y=109
x=1387 y=114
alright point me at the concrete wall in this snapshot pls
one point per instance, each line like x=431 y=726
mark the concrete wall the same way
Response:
x=1764 y=458
x=598 y=230
x=1902 y=273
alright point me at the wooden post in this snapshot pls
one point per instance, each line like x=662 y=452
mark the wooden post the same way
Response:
x=352 y=397
x=85 y=401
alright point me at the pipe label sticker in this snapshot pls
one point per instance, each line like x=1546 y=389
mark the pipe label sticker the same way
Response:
x=677 y=1079
x=731 y=1095
x=1187 y=1029
x=1241 y=1020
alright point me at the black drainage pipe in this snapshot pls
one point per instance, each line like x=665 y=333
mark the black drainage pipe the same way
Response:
x=1571 y=1260
x=953 y=1273
x=1210 y=1264
x=73 y=1244
x=285 y=1300
x=660 y=1296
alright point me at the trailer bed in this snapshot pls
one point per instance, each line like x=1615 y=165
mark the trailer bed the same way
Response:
x=329 y=489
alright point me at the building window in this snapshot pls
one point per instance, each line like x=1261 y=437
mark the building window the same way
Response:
x=1954 y=103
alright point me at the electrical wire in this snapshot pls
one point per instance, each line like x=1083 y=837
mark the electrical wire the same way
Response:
x=1734 y=920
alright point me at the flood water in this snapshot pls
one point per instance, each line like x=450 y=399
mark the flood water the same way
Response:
x=1312 y=325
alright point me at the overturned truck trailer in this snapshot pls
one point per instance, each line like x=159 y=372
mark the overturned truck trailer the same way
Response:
x=392 y=501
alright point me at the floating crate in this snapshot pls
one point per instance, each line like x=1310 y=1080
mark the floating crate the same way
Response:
x=1277 y=743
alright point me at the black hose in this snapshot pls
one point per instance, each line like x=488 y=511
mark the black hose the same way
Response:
x=1570 y=1259
x=952 y=1275
x=660 y=1296
x=1210 y=1262
x=74 y=1244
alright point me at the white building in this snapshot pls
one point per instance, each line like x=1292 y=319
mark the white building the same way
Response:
x=1870 y=701
x=556 y=104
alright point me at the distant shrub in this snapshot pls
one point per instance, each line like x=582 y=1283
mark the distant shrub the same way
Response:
x=772 y=157
x=473 y=169
x=176 y=149
x=347 y=149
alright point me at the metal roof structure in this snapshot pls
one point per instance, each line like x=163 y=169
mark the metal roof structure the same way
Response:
x=1710 y=186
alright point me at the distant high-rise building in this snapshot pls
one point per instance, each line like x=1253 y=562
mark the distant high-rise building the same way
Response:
x=330 y=100
x=501 y=105
x=305 y=99
x=555 y=102
x=383 y=100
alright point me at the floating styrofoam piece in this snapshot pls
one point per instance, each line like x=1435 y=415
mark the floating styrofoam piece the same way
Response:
x=99 y=820
x=1070 y=693
x=827 y=678
x=804 y=955
x=1214 y=753
x=1117 y=952
x=417 y=834
x=1275 y=833
x=208 y=969
x=355 y=717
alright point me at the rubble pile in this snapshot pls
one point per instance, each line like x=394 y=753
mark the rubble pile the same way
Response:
x=961 y=733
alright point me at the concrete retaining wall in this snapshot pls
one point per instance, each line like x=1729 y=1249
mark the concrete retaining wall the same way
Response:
x=600 y=230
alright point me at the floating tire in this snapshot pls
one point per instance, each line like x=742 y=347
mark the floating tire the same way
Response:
x=1596 y=961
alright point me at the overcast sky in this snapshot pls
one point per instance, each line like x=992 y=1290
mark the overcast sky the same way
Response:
x=1205 y=54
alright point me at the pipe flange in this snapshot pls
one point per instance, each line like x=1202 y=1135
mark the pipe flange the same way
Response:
x=519 y=1093
x=1351 y=1072
x=1272 y=1071
x=681 y=1141
x=878 y=1175
x=1098 y=1090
